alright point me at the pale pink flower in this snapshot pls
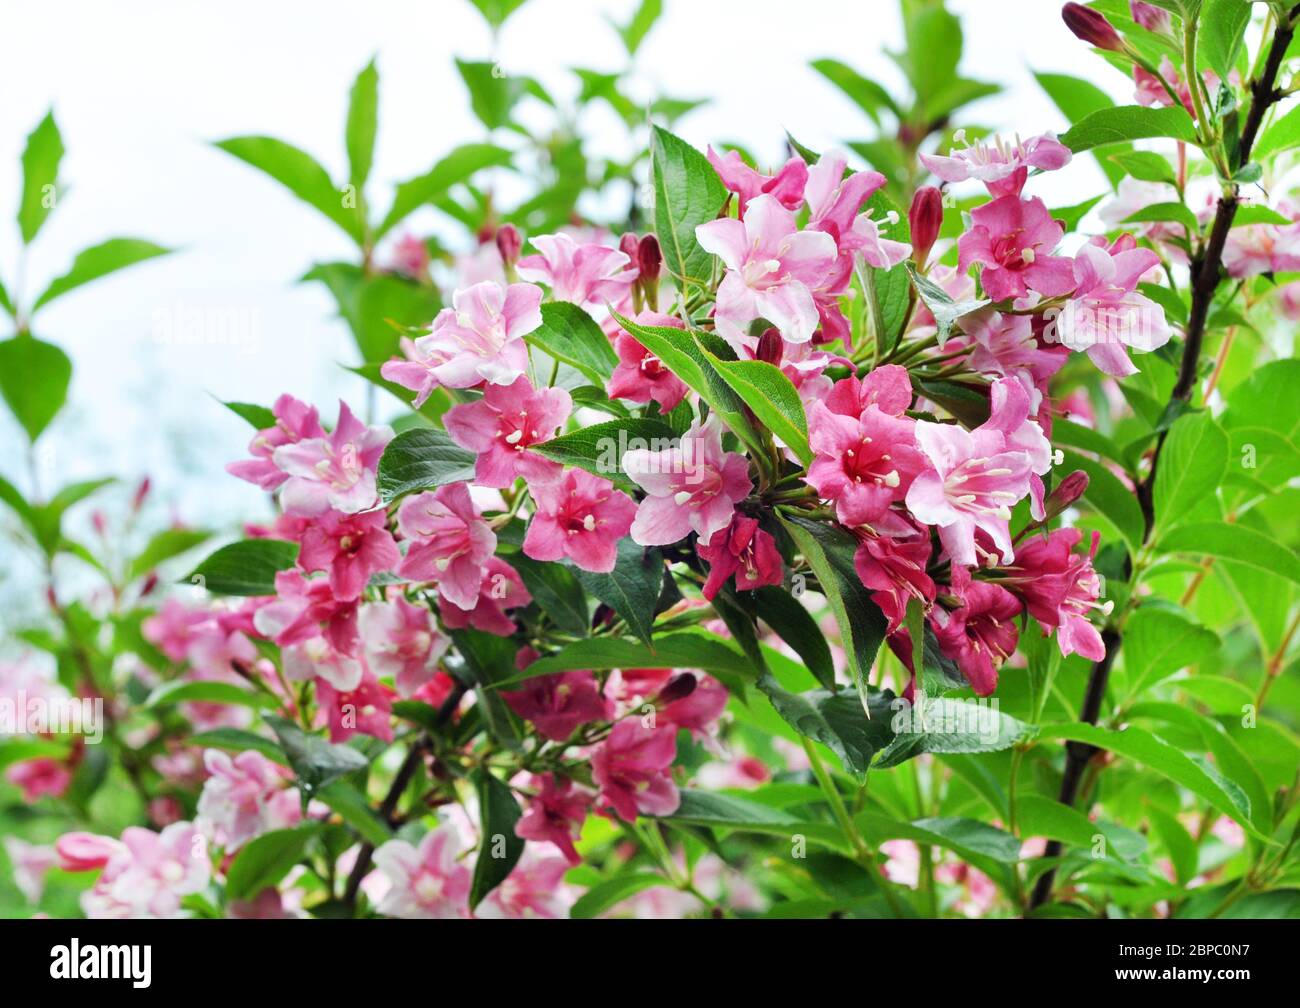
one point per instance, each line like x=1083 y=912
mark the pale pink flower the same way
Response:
x=743 y=773
x=336 y=471
x=1005 y=345
x=303 y=609
x=501 y=589
x=693 y=487
x=585 y=274
x=294 y=421
x=579 y=516
x=350 y=548
x=400 y=640
x=631 y=768
x=641 y=376
x=316 y=658
x=502 y=426
x=835 y=202
x=1262 y=248
x=555 y=814
x=1013 y=240
x=974 y=477
x=145 y=874
x=786 y=186
x=366 y=708
x=450 y=542
x=1001 y=165
x=773 y=269
x=31 y=863
x=245 y=797
x=428 y=882
x=479 y=339
x=534 y=888
x=409 y=256
x=1107 y=314
x=560 y=703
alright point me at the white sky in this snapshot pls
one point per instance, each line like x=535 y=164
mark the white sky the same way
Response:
x=139 y=89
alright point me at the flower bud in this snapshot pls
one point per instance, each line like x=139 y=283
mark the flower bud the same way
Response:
x=1066 y=493
x=1092 y=27
x=770 y=347
x=678 y=689
x=1149 y=16
x=650 y=257
x=925 y=218
x=509 y=244
x=141 y=492
x=630 y=246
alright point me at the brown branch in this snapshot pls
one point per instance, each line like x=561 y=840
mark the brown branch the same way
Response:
x=1204 y=269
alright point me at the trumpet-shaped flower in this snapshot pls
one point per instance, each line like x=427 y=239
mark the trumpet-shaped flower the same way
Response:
x=502 y=426
x=334 y=471
x=587 y=274
x=450 y=542
x=579 y=516
x=1013 y=240
x=428 y=881
x=400 y=640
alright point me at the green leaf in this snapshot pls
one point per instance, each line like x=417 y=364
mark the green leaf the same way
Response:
x=1077 y=98
x=456 y=167
x=316 y=761
x=1249 y=215
x=422 y=459
x=499 y=847
x=570 y=335
x=1222 y=27
x=258 y=417
x=492 y=93
x=786 y=615
x=851 y=726
x=237 y=740
x=632 y=588
x=599 y=898
x=967 y=838
x=557 y=592
x=716 y=810
x=1121 y=123
x=1174 y=212
x=377 y=307
x=945 y=310
x=830 y=552
x=34 y=377
x=265 y=860
x=163 y=546
x=1159 y=641
x=1282 y=135
x=643 y=19
x=98 y=261
x=41 y=159
x=772 y=397
x=946 y=725
x=490 y=664
x=1158 y=755
x=1192 y=462
x=1146 y=166
x=201 y=691
x=363 y=124
x=495 y=12
x=600 y=448
x=1042 y=817
x=301 y=174
x=862 y=91
x=355 y=809
x=247 y=567
x=1233 y=542
x=1111 y=498
x=1178 y=843
x=688 y=193
x=685 y=649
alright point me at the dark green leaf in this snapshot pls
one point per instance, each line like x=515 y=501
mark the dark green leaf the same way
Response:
x=570 y=335
x=632 y=588
x=422 y=459
x=499 y=847
x=316 y=761
x=247 y=567
x=688 y=193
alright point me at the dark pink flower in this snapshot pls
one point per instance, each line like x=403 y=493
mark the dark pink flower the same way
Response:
x=556 y=814
x=641 y=376
x=366 y=709
x=699 y=709
x=631 y=768
x=1060 y=588
x=350 y=548
x=579 y=516
x=786 y=186
x=504 y=424
x=294 y=421
x=863 y=463
x=558 y=704
x=742 y=549
x=1013 y=240
x=501 y=589
x=981 y=633
x=894 y=568
x=304 y=609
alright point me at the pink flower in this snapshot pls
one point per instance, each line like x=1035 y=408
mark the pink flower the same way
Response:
x=864 y=463
x=245 y=797
x=1013 y=240
x=450 y=542
x=1149 y=16
x=980 y=634
x=366 y=708
x=31 y=863
x=641 y=376
x=409 y=256
x=294 y=421
x=401 y=641
x=479 y=339
x=500 y=589
x=588 y=275
x=428 y=882
x=534 y=888
x=1005 y=345
x=894 y=568
x=350 y=548
x=316 y=658
x=555 y=815
x=631 y=768
x=305 y=609
x=786 y=186
x=504 y=424
x=975 y=477
x=690 y=488
x=580 y=516
x=888 y=388
x=699 y=709
x=1106 y=313
x=1262 y=248
x=1001 y=166
x=335 y=471
x=1059 y=588
x=742 y=549
x=772 y=270
x=834 y=201
x=39 y=777
x=145 y=874
x=558 y=704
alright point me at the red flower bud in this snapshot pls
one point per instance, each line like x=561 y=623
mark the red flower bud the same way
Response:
x=1066 y=493
x=1092 y=27
x=678 y=689
x=770 y=348
x=925 y=218
x=629 y=245
x=509 y=243
x=141 y=492
x=649 y=257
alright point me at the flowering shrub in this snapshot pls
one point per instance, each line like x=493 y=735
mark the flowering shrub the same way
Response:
x=821 y=543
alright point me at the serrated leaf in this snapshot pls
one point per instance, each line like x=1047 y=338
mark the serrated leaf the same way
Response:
x=688 y=193
x=632 y=588
x=572 y=336
x=247 y=567
x=1121 y=123
x=422 y=459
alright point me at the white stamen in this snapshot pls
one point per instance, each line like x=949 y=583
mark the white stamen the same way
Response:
x=681 y=497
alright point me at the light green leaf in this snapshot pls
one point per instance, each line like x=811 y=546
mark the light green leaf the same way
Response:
x=1233 y=542
x=572 y=336
x=458 y=166
x=772 y=397
x=684 y=649
x=266 y=859
x=355 y=809
x=1158 y=642
x=1108 y=496
x=599 y=898
x=1191 y=467
x=41 y=159
x=34 y=378
x=1122 y=123
x=363 y=124
x=99 y=261
x=163 y=546
x=203 y=691
x=1041 y=817
x=946 y=725
x=247 y=567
